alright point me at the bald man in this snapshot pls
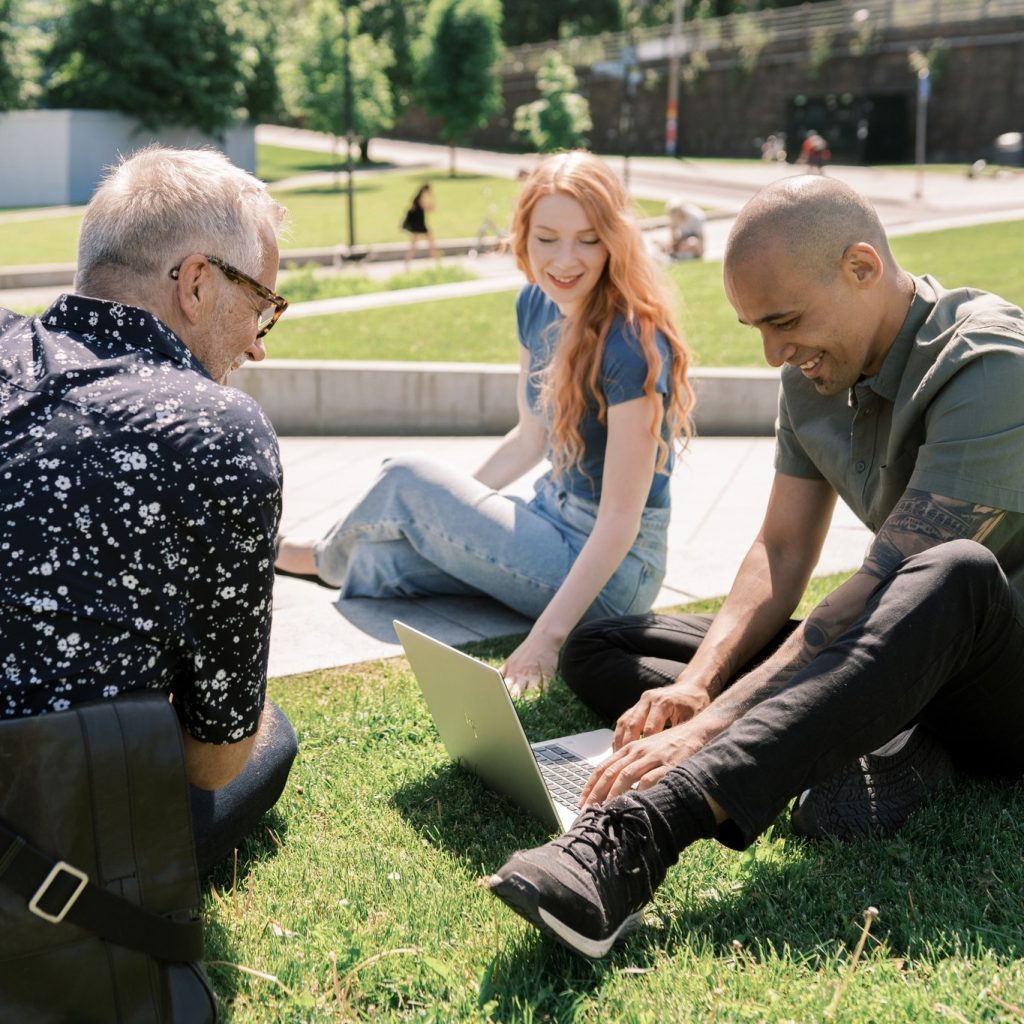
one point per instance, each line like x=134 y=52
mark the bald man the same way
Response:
x=904 y=399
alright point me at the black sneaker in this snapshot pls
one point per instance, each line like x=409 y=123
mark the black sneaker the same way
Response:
x=588 y=887
x=876 y=793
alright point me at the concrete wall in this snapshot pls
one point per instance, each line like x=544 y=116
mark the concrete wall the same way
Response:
x=304 y=397
x=56 y=157
x=977 y=93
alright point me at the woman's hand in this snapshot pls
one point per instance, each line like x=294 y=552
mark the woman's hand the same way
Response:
x=659 y=709
x=531 y=666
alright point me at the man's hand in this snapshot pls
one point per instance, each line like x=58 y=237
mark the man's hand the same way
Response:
x=659 y=709
x=531 y=666
x=640 y=764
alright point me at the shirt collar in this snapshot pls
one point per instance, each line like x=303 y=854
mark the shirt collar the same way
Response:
x=886 y=382
x=126 y=326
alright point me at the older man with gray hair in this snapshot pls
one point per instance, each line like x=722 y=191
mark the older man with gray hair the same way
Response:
x=141 y=498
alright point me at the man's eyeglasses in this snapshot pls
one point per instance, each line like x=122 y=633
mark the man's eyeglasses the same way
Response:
x=269 y=316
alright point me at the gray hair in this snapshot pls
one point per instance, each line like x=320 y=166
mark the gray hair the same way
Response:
x=160 y=205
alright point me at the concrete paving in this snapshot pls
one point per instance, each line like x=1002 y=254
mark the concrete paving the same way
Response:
x=719 y=491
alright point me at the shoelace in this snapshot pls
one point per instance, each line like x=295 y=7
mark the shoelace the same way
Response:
x=605 y=831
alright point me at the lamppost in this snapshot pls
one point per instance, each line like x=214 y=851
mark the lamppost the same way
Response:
x=672 y=108
x=924 y=91
x=921 y=66
x=349 y=132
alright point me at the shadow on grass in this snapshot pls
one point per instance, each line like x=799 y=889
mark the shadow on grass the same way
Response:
x=320 y=163
x=949 y=886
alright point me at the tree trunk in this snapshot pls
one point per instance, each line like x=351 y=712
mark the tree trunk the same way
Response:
x=451 y=160
x=364 y=151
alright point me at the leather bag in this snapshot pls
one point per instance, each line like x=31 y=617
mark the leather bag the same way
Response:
x=98 y=883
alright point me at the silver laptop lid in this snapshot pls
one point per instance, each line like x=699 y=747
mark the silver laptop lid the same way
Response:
x=477 y=722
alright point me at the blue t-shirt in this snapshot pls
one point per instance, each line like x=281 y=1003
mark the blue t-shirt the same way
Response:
x=623 y=372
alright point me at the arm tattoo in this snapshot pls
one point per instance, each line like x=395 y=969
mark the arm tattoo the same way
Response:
x=919 y=521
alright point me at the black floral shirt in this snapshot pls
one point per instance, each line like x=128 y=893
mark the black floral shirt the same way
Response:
x=139 y=501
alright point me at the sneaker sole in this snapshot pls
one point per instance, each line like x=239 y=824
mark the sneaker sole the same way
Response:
x=877 y=793
x=522 y=896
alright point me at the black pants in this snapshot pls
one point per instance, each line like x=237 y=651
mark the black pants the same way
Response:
x=222 y=818
x=940 y=641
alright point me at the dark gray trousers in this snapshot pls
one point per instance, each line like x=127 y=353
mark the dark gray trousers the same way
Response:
x=940 y=641
x=222 y=818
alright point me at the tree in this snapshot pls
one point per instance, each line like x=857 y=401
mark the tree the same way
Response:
x=9 y=85
x=396 y=24
x=538 y=21
x=257 y=26
x=560 y=119
x=314 y=75
x=160 y=61
x=455 y=77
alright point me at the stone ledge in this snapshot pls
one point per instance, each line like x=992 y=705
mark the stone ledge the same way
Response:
x=309 y=397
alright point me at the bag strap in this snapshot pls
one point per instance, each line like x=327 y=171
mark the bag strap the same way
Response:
x=57 y=891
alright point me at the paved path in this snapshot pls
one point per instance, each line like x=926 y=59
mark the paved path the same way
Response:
x=720 y=184
x=718 y=495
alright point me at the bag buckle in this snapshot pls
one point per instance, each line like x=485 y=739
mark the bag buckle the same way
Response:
x=61 y=865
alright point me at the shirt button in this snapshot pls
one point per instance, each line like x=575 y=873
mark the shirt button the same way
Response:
x=860 y=467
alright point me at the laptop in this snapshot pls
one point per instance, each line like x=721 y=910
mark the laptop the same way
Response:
x=480 y=729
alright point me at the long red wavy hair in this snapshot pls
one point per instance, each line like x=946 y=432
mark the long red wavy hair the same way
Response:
x=630 y=285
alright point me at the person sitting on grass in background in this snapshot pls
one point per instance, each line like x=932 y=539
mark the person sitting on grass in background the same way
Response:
x=602 y=390
x=415 y=222
x=141 y=498
x=685 y=230
x=903 y=398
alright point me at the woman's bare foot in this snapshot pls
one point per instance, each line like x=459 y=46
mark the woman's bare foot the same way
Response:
x=295 y=556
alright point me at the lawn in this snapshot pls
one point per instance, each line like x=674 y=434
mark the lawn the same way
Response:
x=275 y=163
x=482 y=328
x=358 y=900
x=318 y=214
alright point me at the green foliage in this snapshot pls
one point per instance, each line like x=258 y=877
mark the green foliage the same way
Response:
x=537 y=21
x=396 y=24
x=314 y=74
x=160 y=61
x=9 y=85
x=456 y=55
x=256 y=24
x=560 y=119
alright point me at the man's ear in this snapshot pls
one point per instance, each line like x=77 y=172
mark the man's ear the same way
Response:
x=863 y=263
x=192 y=285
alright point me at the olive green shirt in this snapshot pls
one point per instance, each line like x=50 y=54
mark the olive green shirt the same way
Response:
x=944 y=414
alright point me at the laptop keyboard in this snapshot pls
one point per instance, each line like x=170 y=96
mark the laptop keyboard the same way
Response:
x=564 y=772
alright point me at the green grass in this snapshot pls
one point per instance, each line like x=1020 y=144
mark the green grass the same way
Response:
x=382 y=841
x=47 y=240
x=305 y=284
x=319 y=213
x=275 y=163
x=482 y=328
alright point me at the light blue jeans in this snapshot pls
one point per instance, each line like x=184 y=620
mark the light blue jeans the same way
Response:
x=426 y=529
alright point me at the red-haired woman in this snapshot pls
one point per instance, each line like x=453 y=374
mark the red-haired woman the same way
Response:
x=602 y=392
